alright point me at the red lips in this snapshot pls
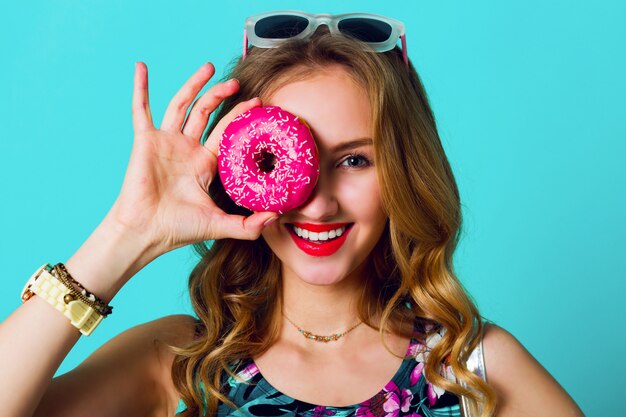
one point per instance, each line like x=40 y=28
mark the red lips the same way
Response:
x=324 y=248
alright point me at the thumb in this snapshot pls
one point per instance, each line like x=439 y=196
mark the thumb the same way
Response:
x=247 y=228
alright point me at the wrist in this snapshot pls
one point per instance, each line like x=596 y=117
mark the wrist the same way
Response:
x=111 y=255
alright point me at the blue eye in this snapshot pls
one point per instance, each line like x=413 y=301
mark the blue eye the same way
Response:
x=356 y=161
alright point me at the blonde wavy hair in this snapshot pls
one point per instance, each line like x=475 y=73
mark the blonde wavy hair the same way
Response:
x=236 y=288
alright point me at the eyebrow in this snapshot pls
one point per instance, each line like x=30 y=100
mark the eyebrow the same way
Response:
x=357 y=143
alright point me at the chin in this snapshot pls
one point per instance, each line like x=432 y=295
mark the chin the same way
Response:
x=321 y=280
x=322 y=274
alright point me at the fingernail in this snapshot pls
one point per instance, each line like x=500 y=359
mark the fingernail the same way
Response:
x=233 y=79
x=270 y=220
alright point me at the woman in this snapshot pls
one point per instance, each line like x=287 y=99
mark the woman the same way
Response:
x=403 y=327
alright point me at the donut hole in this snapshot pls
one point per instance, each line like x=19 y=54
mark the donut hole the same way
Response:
x=265 y=160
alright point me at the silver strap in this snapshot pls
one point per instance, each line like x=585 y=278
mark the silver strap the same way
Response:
x=475 y=364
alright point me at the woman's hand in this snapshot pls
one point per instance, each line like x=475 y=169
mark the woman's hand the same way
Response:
x=164 y=197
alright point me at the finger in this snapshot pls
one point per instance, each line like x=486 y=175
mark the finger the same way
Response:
x=213 y=141
x=199 y=115
x=177 y=109
x=245 y=228
x=142 y=118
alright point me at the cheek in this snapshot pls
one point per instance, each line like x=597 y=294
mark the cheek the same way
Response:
x=360 y=196
x=272 y=235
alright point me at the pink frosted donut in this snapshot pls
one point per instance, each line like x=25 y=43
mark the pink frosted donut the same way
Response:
x=268 y=160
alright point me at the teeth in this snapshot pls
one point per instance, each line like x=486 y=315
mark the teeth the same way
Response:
x=319 y=236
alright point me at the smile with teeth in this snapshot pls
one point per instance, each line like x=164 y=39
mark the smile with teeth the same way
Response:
x=319 y=237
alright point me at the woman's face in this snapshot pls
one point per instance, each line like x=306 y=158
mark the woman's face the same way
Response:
x=347 y=194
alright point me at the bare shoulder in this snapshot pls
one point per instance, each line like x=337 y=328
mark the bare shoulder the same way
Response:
x=177 y=330
x=128 y=375
x=523 y=385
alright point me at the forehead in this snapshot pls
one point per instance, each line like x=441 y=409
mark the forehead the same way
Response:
x=330 y=101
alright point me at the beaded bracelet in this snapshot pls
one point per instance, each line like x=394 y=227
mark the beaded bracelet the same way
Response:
x=60 y=271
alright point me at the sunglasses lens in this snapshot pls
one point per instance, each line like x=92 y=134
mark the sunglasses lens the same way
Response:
x=366 y=30
x=280 y=27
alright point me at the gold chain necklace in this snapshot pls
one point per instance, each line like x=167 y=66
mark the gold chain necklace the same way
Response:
x=318 y=338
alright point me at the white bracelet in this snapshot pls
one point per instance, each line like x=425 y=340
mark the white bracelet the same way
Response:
x=82 y=316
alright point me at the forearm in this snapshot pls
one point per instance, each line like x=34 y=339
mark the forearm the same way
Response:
x=36 y=338
x=109 y=258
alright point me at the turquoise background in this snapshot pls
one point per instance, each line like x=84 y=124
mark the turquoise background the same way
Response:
x=529 y=98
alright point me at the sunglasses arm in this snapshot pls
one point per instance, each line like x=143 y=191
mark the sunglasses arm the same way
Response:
x=245 y=44
x=405 y=55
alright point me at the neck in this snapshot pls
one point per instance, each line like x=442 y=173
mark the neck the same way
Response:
x=321 y=309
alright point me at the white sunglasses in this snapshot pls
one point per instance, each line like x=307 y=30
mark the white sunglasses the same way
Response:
x=270 y=29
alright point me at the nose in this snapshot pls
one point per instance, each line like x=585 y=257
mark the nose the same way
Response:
x=322 y=204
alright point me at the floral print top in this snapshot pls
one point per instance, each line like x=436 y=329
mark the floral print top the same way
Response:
x=407 y=394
